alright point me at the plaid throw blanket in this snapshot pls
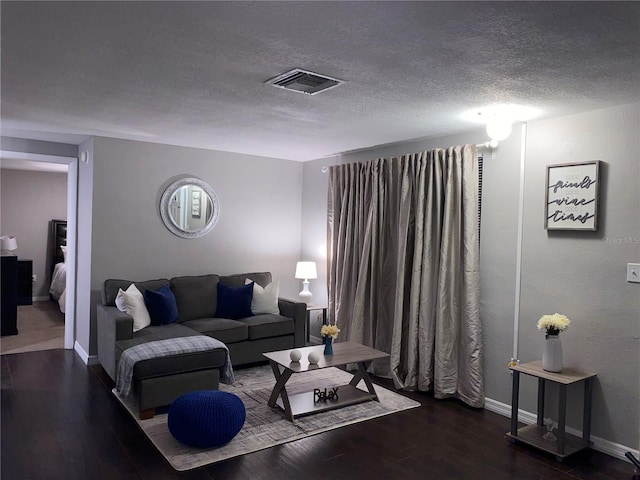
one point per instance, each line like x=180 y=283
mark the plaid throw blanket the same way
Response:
x=165 y=348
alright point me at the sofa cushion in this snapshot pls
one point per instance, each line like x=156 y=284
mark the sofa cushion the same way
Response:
x=159 y=367
x=261 y=278
x=234 y=302
x=111 y=287
x=223 y=329
x=161 y=305
x=265 y=300
x=268 y=325
x=196 y=296
x=131 y=302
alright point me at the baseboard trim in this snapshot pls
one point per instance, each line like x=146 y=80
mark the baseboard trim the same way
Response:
x=39 y=299
x=84 y=356
x=600 y=444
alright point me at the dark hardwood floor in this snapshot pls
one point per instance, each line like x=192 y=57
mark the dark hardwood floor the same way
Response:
x=60 y=421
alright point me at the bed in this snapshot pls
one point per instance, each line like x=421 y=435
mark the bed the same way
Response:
x=57 y=255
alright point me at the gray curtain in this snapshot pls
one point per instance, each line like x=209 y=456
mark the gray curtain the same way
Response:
x=403 y=267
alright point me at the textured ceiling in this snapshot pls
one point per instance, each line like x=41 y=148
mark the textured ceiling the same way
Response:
x=192 y=73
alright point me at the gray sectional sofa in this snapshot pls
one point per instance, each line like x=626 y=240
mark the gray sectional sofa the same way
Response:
x=159 y=381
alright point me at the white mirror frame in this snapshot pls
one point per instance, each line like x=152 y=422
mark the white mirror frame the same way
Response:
x=166 y=198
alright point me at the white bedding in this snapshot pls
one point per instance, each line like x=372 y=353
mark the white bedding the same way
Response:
x=59 y=284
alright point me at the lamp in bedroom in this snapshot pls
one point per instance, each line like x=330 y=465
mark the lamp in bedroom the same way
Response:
x=8 y=243
x=306 y=271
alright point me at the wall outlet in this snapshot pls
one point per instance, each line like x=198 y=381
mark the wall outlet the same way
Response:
x=633 y=272
x=34 y=278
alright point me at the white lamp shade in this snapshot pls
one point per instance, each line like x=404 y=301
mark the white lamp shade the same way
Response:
x=306 y=270
x=8 y=243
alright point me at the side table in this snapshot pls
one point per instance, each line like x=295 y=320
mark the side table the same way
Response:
x=565 y=444
x=310 y=308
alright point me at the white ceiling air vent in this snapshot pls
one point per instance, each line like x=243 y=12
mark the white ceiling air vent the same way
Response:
x=304 y=81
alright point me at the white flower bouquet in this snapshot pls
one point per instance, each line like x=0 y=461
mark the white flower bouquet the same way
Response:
x=553 y=324
x=330 y=331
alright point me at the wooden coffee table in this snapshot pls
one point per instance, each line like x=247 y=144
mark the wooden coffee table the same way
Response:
x=308 y=403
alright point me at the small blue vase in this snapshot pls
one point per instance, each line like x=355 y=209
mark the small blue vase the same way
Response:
x=328 y=346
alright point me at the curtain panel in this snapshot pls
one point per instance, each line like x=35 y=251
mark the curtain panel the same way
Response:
x=403 y=267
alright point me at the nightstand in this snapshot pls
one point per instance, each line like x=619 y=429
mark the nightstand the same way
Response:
x=565 y=444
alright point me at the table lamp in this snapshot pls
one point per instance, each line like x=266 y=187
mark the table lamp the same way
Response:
x=306 y=270
x=8 y=243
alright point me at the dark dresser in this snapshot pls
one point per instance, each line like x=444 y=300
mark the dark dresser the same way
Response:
x=17 y=290
x=9 y=295
x=25 y=284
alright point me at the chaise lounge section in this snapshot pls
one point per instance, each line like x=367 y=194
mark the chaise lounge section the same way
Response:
x=159 y=381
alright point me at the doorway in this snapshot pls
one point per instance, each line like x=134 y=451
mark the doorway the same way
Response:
x=72 y=215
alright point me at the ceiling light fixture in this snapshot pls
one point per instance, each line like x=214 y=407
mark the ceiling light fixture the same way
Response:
x=499 y=119
x=499 y=128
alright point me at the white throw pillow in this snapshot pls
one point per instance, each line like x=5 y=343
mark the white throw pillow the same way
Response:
x=131 y=302
x=265 y=300
x=64 y=253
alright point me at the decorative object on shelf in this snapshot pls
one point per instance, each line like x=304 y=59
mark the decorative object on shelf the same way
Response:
x=306 y=271
x=324 y=394
x=548 y=422
x=552 y=351
x=314 y=357
x=571 y=198
x=329 y=332
x=295 y=355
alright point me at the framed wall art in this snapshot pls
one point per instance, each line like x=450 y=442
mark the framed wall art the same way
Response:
x=572 y=196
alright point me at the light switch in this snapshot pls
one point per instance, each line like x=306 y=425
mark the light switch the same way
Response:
x=633 y=272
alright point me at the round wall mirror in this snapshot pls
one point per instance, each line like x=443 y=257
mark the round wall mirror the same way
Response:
x=189 y=208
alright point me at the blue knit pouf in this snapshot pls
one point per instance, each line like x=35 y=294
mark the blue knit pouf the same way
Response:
x=207 y=418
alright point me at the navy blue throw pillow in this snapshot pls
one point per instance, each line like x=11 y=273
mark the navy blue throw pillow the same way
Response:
x=234 y=302
x=162 y=306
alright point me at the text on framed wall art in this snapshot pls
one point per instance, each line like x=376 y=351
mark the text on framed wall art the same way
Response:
x=572 y=196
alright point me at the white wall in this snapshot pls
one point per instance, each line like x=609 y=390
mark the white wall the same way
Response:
x=580 y=274
x=268 y=207
x=583 y=274
x=258 y=230
x=29 y=200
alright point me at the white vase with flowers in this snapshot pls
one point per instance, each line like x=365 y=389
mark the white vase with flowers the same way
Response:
x=552 y=352
x=329 y=333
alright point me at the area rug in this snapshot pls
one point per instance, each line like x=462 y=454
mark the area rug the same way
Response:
x=265 y=427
